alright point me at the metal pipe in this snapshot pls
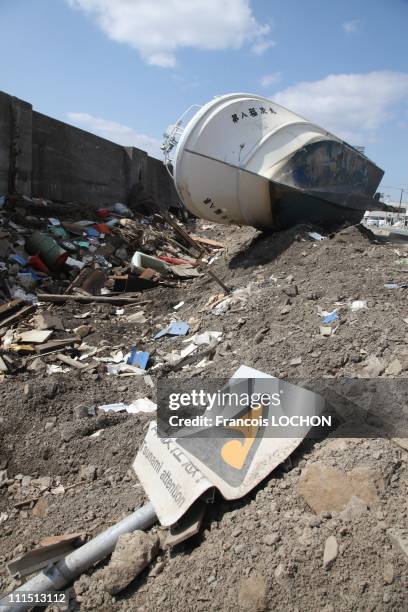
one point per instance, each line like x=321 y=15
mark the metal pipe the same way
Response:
x=57 y=576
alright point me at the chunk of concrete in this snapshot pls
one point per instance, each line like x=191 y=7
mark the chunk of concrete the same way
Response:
x=400 y=538
x=331 y=550
x=252 y=596
x=46 y=320
x=372 y=367
x=394 y=368
x=325 y=488
x=133 y=552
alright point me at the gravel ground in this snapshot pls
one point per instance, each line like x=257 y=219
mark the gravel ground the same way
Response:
x=303 y=540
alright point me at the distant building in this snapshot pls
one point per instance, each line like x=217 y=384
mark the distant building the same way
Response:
x=382 y=218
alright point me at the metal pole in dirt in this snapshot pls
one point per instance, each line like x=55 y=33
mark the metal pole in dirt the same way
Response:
x=57 y=576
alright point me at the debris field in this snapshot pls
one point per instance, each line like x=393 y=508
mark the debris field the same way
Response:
x=83 y=343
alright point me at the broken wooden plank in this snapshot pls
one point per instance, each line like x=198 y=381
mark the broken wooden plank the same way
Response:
x=71 y=362
x=99 y=299
x=27 y=502
x=199 y=248
x=10 y=307
x=35 y=336
x=18 y=316
x=41 y=557
x=54 y=345
x=208 y=242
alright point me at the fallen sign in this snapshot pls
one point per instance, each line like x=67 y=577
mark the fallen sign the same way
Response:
x=158 y=464
x=175 y=471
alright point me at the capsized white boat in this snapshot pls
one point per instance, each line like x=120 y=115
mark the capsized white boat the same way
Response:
x=246 y=160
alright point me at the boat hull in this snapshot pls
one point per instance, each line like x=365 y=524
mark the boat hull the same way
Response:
x=244 y=159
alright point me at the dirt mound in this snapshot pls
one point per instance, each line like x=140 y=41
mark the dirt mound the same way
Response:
x=272 y=539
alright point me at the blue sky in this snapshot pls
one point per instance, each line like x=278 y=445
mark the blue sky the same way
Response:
x=126 y=69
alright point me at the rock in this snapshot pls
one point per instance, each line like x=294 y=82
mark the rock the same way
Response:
x=260 y=335
x=51 y=390
x=3 y=478
x=271 y=538
x=400 y=538
x=158 y=568
x=87 y=472
x=25 y=481
x=83 y=330
x=354 y=509
x=27 y=390
x=327 y=489
x=252 y=595
x=331 y=550
x=372 y=367
x=290 y=290
x=36 y=365
x=46 y=320
x=279 y=572
x=81 y=411
x=44 y=482
x=388 y=573
x=133 y=552
x=296 y=361
x=394 y=368
x=40 y=509
x=285 y=310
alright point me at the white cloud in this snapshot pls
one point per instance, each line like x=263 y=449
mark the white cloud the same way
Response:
x=351 y=26
x=270 y=79
x=261 y=46
x=353 y=106
x=116 y=132
x=158 y=28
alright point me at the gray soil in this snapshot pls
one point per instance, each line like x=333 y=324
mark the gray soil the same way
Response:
x=265 y=551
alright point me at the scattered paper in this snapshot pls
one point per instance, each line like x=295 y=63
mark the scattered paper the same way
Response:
x=141 y=405
x=358 y=305
x=176 y=328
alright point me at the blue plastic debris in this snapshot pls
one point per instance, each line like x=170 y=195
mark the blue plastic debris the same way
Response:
x=332 y=316
x=138 y=358
x=2 y=201
x=92 y=232
x=18 y=259
x=176 y=328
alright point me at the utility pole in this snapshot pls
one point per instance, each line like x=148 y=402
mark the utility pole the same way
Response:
x=400 y=202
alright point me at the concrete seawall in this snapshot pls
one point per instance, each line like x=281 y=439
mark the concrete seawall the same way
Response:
x=44 y=157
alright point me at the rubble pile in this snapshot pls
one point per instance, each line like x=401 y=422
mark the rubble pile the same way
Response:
x=78 y=390
x=109 y=259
